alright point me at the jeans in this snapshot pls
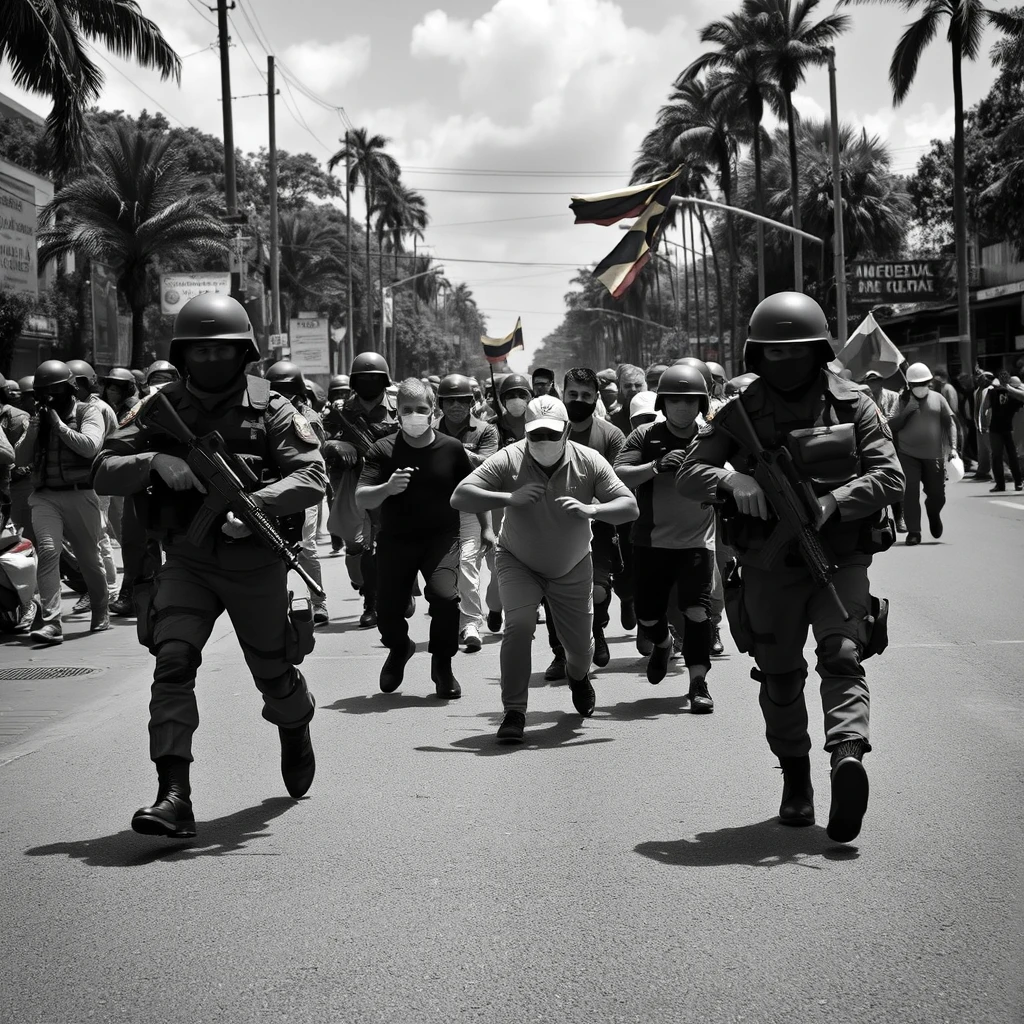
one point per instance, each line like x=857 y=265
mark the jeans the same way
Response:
x=930 y=474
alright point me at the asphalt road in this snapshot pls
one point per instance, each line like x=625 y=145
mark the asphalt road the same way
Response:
x=623 y=868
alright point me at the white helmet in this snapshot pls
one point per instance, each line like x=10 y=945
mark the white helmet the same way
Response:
x=918 y=373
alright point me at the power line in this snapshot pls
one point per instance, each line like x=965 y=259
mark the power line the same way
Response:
x=132 y=82
x=485 y=172
x=195 y=6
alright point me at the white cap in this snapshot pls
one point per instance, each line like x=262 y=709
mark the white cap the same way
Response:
x=642 y=403
x=546 y=413
x=918 y=373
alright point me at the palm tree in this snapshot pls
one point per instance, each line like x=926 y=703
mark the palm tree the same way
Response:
x=377 y=170
x=790 y=44
x=967 y=21
x=312 y=268
x=742 y=69
x=135 y=205
x=46 y=44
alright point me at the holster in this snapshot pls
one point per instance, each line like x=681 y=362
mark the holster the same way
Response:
x=735 y=610
x=298 y=638
x=143 y=595
x=876 y=624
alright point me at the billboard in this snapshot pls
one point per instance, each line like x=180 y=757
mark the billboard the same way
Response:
x=308 y=338
x=18 y=223
x=880 y=282
x=103 y=292
x=177 y=289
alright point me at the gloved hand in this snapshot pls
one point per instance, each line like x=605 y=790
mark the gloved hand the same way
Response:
x=671 y=461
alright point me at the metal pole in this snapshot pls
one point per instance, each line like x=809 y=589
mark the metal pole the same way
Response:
x=350 y=329
x=837 y=204
x=275 y=239
x=778 y=225
x=225 y=88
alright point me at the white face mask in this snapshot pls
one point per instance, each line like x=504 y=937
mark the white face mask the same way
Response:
x=547 y=453
x=516 y=407
x=921 y=392
x=415 y=424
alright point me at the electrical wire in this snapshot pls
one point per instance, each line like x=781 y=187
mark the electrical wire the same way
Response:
x=196 y=7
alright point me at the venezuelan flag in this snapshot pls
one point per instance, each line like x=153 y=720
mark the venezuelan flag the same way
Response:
x=610 y=207
x=496 y=350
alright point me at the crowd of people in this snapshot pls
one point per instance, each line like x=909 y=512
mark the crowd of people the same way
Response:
x=644 y=484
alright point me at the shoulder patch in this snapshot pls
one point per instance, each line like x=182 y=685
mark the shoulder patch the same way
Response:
x=130 y=416
x=707 y=430
x=303 y=429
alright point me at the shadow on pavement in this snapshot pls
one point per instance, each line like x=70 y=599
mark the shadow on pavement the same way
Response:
x=340 y=626
x=565 y=729
x=762 y=844
x=217 y=837
x=380 y=703
x=647 y=709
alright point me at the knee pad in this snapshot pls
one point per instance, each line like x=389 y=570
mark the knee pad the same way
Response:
x=783 y=688
x=839 y=656
x=657 y=633
x=354 y=550
x=697 y=642
x=176 y=662
x=601 y=594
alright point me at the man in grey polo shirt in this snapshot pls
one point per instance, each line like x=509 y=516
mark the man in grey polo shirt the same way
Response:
x=551 y=488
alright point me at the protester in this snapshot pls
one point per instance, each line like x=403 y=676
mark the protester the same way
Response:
x=926 y=437
x=161 y=373
x=543 y=382
x=674 y=537
x=14 y=423
x=476 y=537
x=410 y=477
x=631 y=383
x=1002 y=403
x=716 y=392
x=982 y=382
x=643 y=409
x=885 y=398
x=653 y=375
x=551 y=489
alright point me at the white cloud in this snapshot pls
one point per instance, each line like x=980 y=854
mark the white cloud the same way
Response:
x=809 y=107
x=929 y=124
x=325 y=66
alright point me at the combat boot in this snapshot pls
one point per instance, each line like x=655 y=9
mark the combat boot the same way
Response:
x=393 y=672
x=298 y=765
x=555 y=672
x=797 y=807
x=601 y=653
x=849 y=792
x=369 y=617
x=171 y=813
x=445 y=683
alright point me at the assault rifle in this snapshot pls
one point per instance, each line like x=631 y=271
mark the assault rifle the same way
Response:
x=225 y=477
x=357 y=435
x=795 y=505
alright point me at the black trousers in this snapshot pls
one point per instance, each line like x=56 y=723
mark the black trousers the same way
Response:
x=1003 y=443
x=399 y=559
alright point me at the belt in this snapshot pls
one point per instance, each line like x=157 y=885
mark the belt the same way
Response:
x=65 y=487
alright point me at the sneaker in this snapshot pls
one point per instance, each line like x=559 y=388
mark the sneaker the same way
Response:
x=336 y=550
x=27 y=620
x=321 y=616
x=935 y=525
x=494 y=621
x=83 y=604
x=50 y=634
x=1019 y=487
x=512 y=726
x=657 y=664
x=601 y=653
x=393 y=672
x=556 y=670
x=700 y=700
x=677 y=642
x=123 y=606
x=644 y=646
x=470 y=639
x=912 y=539
x=717 y=647
x=849 y=792
x=627 y=613
x=583 y=697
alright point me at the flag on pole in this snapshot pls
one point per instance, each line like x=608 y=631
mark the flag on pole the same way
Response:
x=387 y=301
x=869 y=348
x=610 y=207
x=496 y=350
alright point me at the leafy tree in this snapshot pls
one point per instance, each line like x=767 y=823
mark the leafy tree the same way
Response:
x=23 y=143
x=46 y=44
x=301 y=180
x=312 y=263
x=14 y=308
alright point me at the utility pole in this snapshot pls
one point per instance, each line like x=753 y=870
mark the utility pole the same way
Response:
x=225 y=88
x=275 y=241
x=838 y=246
x=349 y=347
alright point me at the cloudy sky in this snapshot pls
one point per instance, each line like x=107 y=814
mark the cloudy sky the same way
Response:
x=498 y=110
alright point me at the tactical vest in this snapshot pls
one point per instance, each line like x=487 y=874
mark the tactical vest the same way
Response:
x=58 y=465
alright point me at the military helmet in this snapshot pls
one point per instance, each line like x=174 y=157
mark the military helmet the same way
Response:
x=699 y=365
x=918 y=373
x=717 y=371
x=140 y=377
x=737 y=385
x=212 y=317
x=27 y=385
x=12 y=391
x=52 y=373
x=119 y=375
x=339 y=380
x=284 y=371
x=787 y=318
x=81 y=369
x=161 y=366
x=682 y=379
x=514 y=382
x=370 y=362
x=455 y=385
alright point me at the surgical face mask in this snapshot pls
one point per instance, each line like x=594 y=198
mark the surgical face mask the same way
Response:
x=579 y=411
x=547 y=453
x=215 y=374
x=516 y=407
x=789 y=376
x=415 y=424
x=921 y=391
x=370 y=387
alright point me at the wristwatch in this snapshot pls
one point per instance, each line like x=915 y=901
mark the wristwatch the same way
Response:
x=654 y=467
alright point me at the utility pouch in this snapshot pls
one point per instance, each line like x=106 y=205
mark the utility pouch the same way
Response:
x=735 y=611
x=878 y=533
x=877 y=625
x=298 y=640
x=827 y=456
x=143 y=594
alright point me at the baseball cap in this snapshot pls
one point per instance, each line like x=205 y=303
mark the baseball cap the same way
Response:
x=642 y=404
x=546 y=412
x=873 y=374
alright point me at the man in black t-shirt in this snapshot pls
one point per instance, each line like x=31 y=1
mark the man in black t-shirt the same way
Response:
x=410 y=477
x=1002 y=402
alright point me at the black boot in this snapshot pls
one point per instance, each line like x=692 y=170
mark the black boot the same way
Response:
x=797 y=807
x=849 y=792
x=393 y=672
x=171 y=813
x=601 y=653
x=369 y=617
x=298 y=765
x=443 y=678
x=717 y=647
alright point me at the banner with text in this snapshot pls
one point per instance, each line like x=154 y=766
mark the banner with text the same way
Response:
x=18 y=223
x=878 y=282
x=177 y=289
x=308 y=340
x=103 y=289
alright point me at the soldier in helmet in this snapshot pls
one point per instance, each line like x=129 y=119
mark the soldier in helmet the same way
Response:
x=63 y=438
x=338 y=388
x=14 y=424
x=285 y=378
x=653 y=374
x=160 y=374
x=840 y=447
x=370 y=413
x=227 y=570
x=674 y=538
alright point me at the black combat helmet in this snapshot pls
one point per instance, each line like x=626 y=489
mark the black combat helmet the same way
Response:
x=212 y=317
x=51 y=374
x=717 y=371
x=337 y=386
x=85 y=375
x=514 y=382
x=119 y=375
x=700 y=365
x=286 y=378
x=683 y=379
x=169 y=370
x=787 y=318
x=369 y=362
x=27 y=387
x=455 y=385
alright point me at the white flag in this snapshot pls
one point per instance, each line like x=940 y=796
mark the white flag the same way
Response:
x=388 y=306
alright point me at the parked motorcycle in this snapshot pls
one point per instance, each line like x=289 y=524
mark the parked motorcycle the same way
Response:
x=17 y=581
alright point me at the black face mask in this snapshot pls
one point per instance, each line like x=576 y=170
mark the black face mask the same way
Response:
x=369 y=388
x=60 y=399
x=216 y=375
x=790 y=376
x=579 y=411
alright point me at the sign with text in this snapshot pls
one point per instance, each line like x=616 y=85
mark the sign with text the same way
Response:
x=876 y=282
x=177 y=289
x=18 y=223
x=308 y=338
x=103 y=289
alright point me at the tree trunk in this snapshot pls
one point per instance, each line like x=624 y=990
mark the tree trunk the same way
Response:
x=794 y=196
x=759 y=205
x=696 y=294
x=369 y=273
x=686 y=277
x=968 y=350
x=704 y=268
x=730 y=237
